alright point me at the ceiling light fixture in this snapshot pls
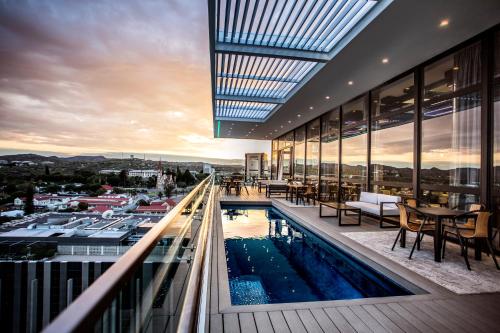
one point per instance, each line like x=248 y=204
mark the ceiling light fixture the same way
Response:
x=350 y=83
x=298 y=115
x=310 y=108
x=444 y=23
x=385 y=60
x=327 y=97
x=289 y=121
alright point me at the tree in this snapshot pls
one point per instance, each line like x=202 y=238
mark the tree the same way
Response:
x=29 y=207
x=123 y=177
x=83 y=206
x=47 y=171
x=179 y=177
x=160 y=194
x=52 y=188
x=188 y=178
x=151 y=182
x=169 y=188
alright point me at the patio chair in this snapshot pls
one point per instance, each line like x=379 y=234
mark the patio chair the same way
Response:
x=470 y=223
x=479 y=233
x=418 y=225
x=308 y=194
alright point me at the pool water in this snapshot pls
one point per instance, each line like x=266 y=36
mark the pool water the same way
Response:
x=272 y=259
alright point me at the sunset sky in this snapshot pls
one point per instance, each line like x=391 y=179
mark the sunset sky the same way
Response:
x=90 y=77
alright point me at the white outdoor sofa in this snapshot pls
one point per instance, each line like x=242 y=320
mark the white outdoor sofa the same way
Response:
x=381 y=206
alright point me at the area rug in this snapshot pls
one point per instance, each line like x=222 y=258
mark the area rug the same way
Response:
x=290 y=204
x=451 y=273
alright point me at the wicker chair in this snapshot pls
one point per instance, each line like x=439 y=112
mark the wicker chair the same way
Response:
x=309 y=193
x=479 y=233
x=418 y=225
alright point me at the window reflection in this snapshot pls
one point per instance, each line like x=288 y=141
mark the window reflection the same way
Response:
x=274 y=158
x=354 y=148
x=299 y=153
x=329 y=155
x=451 y=126
x=393 y=108
x=312 y=152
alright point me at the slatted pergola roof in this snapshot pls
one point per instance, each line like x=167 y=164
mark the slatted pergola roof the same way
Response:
x=263 y=51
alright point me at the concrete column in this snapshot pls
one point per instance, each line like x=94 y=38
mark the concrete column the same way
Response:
x=47 y=286
x=33 y=306
x=63 y=277
x=17 y=297
x=85 y=275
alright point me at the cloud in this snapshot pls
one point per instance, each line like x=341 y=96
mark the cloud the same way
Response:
x=111 y=76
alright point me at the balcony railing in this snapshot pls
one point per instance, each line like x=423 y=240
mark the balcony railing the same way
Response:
x=148 y=290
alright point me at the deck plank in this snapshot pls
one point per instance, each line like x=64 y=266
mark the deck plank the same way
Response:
x=339 y=321
x=419 y=324
x=310 y=323
x=263 y=322
x=464 y=324
x=382 y=319
x=294 y=322
x=324 y=321
x=278 y=321
x=371 y=322
x=353 y=320
x=231 y=323
x=426 y=317
x=470 y=310
x=216 y=323
x=397 y=319
x=247 y=322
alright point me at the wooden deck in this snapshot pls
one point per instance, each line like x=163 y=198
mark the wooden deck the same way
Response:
x=435 y=310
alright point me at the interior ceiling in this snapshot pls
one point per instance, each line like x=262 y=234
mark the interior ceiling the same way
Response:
x=407 y=33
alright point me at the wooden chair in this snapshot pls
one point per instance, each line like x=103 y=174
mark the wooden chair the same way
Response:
x=418 y=225
x=479 y=233
x=309 y=193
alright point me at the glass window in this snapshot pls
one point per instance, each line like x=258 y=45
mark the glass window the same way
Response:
x=354 y=148
x=312 y=151
x=496 y=135
x=329 y=181
x=274 y=158
x=451 y=126
x=299 y=153
x=393 y=108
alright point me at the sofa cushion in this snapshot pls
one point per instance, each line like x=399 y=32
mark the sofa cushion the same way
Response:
x=374 y=209
x=369 y=197
x=389 y=198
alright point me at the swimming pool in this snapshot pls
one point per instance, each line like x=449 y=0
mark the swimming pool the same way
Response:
x=273 y=259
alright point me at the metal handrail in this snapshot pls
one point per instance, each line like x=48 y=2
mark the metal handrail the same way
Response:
x=192 y=306
x=85 y=311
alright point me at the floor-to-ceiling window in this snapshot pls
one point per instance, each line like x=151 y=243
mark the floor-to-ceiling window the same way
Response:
x=495 y=190
x=329 y=180
x=451 y=129
x=299 y=153
x=285 y=155
x=274 y=159
x=393 y=110
x=354 y=148
x=312 y=152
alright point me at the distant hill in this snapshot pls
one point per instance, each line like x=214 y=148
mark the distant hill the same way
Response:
x=37 y=158
x=41 y=158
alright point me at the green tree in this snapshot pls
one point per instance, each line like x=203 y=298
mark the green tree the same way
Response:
x=47 y=171
x=83 y=206
x=29 y=207
x=179 y=176
x=123 y=177
x=151 y=183
x=188 y=178
x=168 y=189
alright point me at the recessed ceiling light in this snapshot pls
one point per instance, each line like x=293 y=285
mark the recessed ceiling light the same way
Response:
x=456 y=68
x=232 y=124
x=385 y=60
x=230 y=128
x=281 y=126
x=276 y=130
x=298 y=115
x=289 y=121
x=310 y=108
x=327 y=97
x=350 y=83
x=444 y=23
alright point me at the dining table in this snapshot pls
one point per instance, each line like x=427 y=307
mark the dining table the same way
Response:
x=438 y=214
x=294 y=188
